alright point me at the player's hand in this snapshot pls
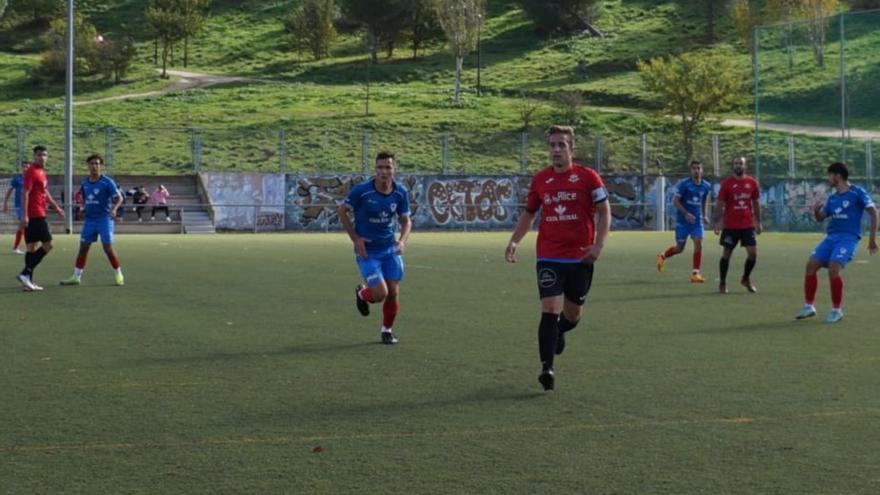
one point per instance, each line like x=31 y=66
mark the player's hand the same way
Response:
x=401 y=247
x=759 y=229
x=690 y=218
x=510 y=252
x=705 y=220
x=23 y=223
x=717 y=229
x=360 y=246
x=872 y=246
x=60 y=213
x=593 y=253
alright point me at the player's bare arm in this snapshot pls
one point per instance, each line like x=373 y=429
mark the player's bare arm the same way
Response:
x=818 y=212
x=405 y=229
x=523 y=225
x=360 y=246
x=54 y=205
x=756 y=208
x=6 y=200
x=680 y=207
x=705 y=210
x=719 y=216
x=875 y=219
x=117 y=201
x=25 y=196
x=603 y=211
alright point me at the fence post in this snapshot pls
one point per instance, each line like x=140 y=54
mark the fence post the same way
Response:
x=660 y=212
x=282 y=150
x=643 y=163
x=792 y=165
x=599 y=153
x=869 y=162
x=365 y=151
x=716 y=155
x=20 y=134
x=444 y=152
x=196 y=148
x=108 y=147
x=523 y=152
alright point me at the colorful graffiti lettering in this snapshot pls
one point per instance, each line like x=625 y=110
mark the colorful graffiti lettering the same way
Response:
x=483 y=200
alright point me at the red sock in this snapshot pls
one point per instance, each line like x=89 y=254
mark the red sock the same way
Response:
x=698 y=260
x=389 y=312
x=18 y=235
x=81 y=262
x=836 y=292
x=366 y=294
x=114 y=261
x=811 y=284
x=670 y=252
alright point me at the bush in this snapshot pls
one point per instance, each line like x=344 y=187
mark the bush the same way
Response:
x=562 y=16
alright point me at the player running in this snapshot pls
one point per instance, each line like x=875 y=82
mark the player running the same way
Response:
x=845 y=208
x=691 y=204
x=740 y=207
x=377 y=206
x=102 y=199
x=37 y=237
x=15 y=186
x=568 y=196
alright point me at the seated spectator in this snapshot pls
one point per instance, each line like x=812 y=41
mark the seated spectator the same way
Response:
x=139 y=197
x=159 y=200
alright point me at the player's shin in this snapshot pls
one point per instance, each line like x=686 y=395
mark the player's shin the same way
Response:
x=389 y=312
x=837 y=292
x=811 y=285
x=548 y=333
x=723 y=266
x=750 y=265
x=697 y=261
x=565 y=325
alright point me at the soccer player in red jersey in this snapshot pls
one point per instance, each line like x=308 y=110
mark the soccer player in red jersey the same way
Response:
x=37 y=237
x=568 y=197
x=739 y=206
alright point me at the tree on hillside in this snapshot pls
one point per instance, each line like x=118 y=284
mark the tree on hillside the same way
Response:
x=113 y=57
x=310 y=27
x=421 y=24
x=692 y=86
x=460 y=20
x=2 y=8
x=168 y=23
x=563 y=16
x=745 y=18
x=53 y=62
x=40 y=12
x=195 y=16
x=713 y=8
x=818 y=14
x=383 y=21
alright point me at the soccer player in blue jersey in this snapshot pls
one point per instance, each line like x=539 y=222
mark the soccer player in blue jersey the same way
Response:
x=378 y=205
x=691 y=205
x=102 y=199
x=844 y=208
x=15 y=186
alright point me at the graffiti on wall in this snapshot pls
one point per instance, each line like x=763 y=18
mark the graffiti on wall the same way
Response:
x=312 y=200
x=478 y=202
x=627 y=210
x=246 y=201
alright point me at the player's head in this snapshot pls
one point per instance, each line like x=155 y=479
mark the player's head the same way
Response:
x=838 y=173
x=95 y=162
x=560 y=140
x=696 y=169
x=385 y=166
x=739 y=166
x=41 y=154
x=24 y=166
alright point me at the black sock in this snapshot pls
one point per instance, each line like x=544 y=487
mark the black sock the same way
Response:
x=548 y=333
x=723 y=265
x=565 y=325
x=28 y=264
x=750 y=265
x=39 y=255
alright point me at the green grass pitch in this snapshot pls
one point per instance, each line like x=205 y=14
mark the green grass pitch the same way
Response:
x=238 y=364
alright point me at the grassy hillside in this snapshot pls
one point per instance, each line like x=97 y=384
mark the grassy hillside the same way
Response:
x=321 y=104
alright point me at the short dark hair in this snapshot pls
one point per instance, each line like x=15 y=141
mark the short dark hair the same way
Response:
x=38 y=148
x=840 y=169
x=696 y=162
x=385 y=155
x=93 y=156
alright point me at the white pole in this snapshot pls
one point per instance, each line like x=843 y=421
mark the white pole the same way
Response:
x=68 y=123
x=660 y=211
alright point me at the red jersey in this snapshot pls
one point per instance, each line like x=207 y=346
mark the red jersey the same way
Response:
x=35 y=183
x=568 y=205
x=737 y=196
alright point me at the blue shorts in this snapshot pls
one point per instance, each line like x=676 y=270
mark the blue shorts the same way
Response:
x=685 y=230
x=836 y=249
x=92 y=228
x=382 y=265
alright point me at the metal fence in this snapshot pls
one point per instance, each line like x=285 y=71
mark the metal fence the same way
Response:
x=820 y=73
x=170 y=150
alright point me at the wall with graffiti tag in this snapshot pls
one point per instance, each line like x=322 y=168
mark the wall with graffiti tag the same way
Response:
x=252 y=202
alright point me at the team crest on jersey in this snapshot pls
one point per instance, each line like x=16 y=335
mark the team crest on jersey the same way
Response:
x=547 y=199
x=846 y=204
x=573 y=178
x=393 y=207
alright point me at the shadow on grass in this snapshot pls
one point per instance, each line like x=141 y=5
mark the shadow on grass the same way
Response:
x=765 y=326
x=211 y=357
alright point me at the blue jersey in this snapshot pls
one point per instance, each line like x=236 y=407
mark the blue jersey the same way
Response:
x=375 y=214
x=845 y=211
x=16 y=185
x=693 y=197
x=98 y=197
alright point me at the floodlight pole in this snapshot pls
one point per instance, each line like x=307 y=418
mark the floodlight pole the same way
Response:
x=757 y=75
x=843 y=108
x=479 y=53
x=68 y=125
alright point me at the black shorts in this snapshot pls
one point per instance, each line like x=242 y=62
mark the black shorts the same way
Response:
x=570 y=279
x=37 y=231
x=745 y=237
